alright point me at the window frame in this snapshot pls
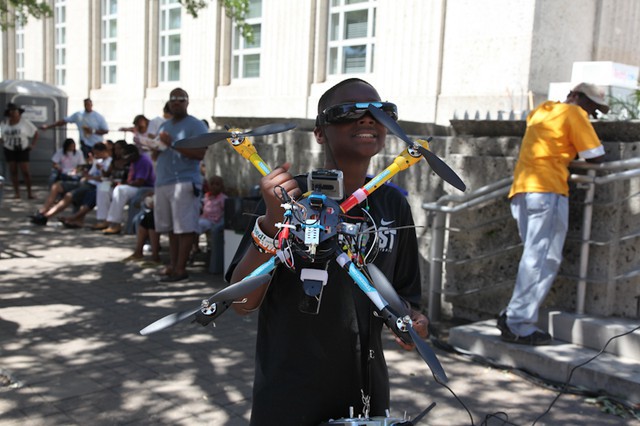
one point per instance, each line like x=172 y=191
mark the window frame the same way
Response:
x=60 y=42
x=20 y=32
x=106 y=41
x=340 y=8
x=240 y=52
x=165 y=35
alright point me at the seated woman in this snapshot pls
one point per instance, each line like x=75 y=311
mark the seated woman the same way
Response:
x=140 y=177
x=67 y=162
x=68 y=168
x=116 y=173
x=101 y=161
x=112 y=194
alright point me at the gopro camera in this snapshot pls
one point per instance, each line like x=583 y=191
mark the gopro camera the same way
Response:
x=327 y=182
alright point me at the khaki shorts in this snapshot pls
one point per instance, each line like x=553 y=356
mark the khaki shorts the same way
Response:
x=176 y=208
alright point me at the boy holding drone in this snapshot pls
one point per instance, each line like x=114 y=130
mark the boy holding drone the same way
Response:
x=323 y=359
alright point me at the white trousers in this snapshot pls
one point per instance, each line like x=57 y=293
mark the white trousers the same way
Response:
x=103 y=200
x=121 y=195
x=542 y=223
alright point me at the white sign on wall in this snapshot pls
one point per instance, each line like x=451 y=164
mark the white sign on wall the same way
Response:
x=35 y=113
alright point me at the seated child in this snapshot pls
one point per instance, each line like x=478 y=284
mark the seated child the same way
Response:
x=212 y=205
x=212 y=219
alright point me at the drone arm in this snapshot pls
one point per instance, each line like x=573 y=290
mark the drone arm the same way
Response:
x=393 y=321
x=248 y=152
x=361 y=281
x=406 y=159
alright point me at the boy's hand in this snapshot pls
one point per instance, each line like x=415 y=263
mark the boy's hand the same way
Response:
x=271 y=186
x=420 y=325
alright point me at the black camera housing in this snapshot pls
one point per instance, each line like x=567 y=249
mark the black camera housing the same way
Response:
x=327 y=182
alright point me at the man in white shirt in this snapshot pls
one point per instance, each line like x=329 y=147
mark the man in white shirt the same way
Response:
x=91 y=126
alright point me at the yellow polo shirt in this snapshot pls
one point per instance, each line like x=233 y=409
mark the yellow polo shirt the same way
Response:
x=556 y=133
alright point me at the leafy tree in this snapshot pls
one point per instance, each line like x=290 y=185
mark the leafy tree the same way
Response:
x=234 y=9
x=626 y=107
x=12 y=11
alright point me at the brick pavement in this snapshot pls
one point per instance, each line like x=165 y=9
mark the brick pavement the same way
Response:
x=70 y=313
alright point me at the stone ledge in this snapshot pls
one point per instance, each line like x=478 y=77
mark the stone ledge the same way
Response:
x=610 y=131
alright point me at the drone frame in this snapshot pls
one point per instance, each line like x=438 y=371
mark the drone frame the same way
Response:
x=390 y=306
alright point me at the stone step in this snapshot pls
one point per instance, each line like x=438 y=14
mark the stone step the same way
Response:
x=614 y=375
x=594 y=332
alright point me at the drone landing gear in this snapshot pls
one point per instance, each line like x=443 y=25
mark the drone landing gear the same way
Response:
x=313 y=282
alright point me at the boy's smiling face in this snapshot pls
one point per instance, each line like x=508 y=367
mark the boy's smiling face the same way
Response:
x=360 y=139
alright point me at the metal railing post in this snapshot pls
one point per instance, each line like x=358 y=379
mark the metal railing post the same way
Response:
x=584 y=248
x=435 y=270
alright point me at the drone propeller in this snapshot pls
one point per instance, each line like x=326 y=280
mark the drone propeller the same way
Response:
x=386 y=290
x=168 y=321
x=240 y=289
x=206 y=139
x=233 y=292
x=436 y=164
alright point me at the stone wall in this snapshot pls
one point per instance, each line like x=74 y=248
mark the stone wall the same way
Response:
x=483 y=246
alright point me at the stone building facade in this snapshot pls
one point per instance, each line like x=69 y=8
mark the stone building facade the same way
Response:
x=433 y=58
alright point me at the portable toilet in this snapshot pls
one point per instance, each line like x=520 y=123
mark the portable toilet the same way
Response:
x=43 y=103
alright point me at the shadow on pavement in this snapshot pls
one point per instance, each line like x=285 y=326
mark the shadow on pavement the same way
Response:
x=70 y=313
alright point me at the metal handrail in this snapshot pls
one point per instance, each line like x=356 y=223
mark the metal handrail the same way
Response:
x=451 y=204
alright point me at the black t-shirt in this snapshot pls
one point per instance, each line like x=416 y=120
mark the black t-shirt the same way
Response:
x=312 y=368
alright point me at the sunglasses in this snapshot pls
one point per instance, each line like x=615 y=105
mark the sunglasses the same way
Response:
x=178 y=99
x=345 y=113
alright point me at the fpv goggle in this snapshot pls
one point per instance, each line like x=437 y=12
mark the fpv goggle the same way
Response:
x=345 y=113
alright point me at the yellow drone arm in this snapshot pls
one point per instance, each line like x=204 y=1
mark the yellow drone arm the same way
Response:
x=406 y=159
x=248 y=152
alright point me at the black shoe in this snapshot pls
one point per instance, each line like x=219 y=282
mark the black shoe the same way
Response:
x=39 y=219
x=501 y=323
x=537 y=338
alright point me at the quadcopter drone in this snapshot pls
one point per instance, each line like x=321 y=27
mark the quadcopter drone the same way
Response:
x=314 y=231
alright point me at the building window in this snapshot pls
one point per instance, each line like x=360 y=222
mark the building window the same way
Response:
x=352 y=26
x=60 y=43
x=19 y=50
x=170 y=25
x=109 y=41
x=246 y=55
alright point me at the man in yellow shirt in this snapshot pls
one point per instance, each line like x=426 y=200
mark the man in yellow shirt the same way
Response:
x=556 y=133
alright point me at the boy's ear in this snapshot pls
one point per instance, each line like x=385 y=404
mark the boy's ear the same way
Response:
x=318 y=132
